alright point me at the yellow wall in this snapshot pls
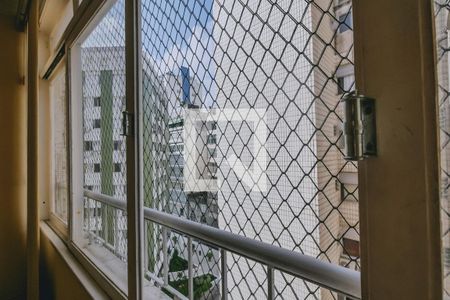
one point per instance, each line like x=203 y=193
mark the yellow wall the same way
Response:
x=13 y=162
x=57 y=281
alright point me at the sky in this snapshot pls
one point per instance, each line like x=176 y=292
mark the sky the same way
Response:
x=174 y=34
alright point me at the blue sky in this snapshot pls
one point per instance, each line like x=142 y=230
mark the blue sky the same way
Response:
x=174 y=23
x=174 y=34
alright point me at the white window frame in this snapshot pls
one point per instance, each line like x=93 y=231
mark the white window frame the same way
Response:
x=90 y=13
x=55 y=221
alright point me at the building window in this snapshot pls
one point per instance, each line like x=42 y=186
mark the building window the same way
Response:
x=351 y=246
x=345 y=84
x=97 y=101
x=345 y=22
x=88 y=146
x=340 y=85
x=97 y=123
x=211 y=139
x=117 y=145
x=212 y=152
x=97 y=168
x=118 y=167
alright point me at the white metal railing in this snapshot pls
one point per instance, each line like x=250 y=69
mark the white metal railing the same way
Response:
x=324 y=274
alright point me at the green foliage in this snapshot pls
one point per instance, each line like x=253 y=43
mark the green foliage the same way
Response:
x=202 y=284
x=177 y=263
x=209 y=255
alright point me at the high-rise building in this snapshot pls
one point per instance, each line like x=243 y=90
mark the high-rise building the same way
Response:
x=307 y=175
x=298 y=74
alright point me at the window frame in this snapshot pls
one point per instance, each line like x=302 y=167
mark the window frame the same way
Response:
x=97 y=102
x=89 y=14
x=57 y=223
x=89 y=11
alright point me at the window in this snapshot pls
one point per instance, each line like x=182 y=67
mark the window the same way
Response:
x=88 y=146
x=262 y=111
x=204 y=104
x=97 y=101
x=99 y=69
x=96 y=123
x=211 y=139
x=60 y=166
x=340 y=83
x=117 y=145
x=345 y=22
x=345 y=84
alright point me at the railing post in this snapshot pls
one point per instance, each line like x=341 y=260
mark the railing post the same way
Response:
x=165 y=257
x=116 y=232
x=90 y=217
x=146 y=258
x=224 y=271
x=270 y=283
x=97 y=218
x=105 y=226
x=190 y=270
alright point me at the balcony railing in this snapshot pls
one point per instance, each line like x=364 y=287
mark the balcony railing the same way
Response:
x=339 y=279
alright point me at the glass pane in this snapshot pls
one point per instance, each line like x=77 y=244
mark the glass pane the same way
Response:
x=242 y=131
x=59 y=127
x=102 y=68
x=442 y=43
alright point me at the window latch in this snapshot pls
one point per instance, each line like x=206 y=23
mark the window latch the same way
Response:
x=359 y=127
x=127 y=123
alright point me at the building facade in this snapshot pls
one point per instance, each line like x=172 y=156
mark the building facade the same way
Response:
x=298 y=73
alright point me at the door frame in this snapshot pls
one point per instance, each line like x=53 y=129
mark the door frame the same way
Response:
x=395 y=63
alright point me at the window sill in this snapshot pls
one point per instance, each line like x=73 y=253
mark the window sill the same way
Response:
x=77 y=269
x=116 y=271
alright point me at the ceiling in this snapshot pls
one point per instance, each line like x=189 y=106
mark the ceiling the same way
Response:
x=9 y=7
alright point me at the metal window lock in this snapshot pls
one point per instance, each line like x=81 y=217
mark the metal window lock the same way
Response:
x=359 y=127
x=127 y=123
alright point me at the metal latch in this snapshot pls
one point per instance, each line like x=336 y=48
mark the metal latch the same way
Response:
x=127 y=123
x=359 y=127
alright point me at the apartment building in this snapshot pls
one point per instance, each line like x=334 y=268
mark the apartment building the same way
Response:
x=319 y=177
x=310 y=176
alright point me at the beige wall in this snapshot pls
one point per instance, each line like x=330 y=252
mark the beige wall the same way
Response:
x=13 y=162
x=57 y=281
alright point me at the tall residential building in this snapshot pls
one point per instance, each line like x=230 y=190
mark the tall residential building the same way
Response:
x=165 y=97
x=184 y=92
x=297 y=73
x=308 y=178
x=104 y=147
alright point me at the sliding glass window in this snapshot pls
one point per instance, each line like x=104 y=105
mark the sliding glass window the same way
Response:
x=239 y=148
x=99 y=152
x=60 y=180
x=241 y=132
